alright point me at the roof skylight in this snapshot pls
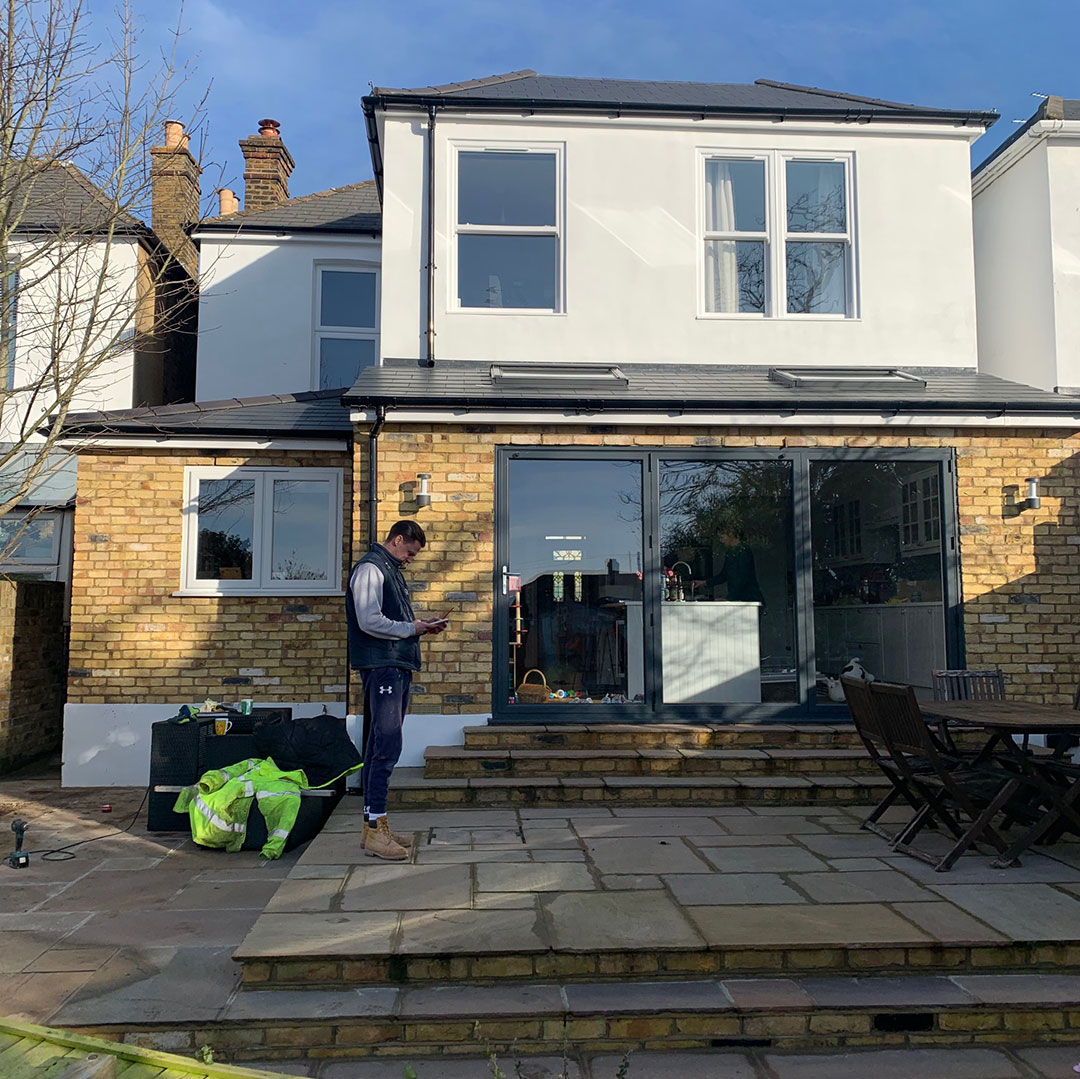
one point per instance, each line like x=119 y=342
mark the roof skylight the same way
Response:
x=806 y=377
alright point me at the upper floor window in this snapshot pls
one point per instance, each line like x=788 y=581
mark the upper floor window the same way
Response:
x=778 y=237
x=346 y=324
x=508 y=229
x=262 y=531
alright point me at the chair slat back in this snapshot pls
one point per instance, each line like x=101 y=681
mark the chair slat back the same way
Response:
x=902 y=722
x=973 y=685
x=864 y=714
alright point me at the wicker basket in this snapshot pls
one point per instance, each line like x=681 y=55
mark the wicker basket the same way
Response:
x=533 y=692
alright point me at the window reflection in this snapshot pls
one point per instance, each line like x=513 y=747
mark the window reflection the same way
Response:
x=728 y=616
x=878 y=568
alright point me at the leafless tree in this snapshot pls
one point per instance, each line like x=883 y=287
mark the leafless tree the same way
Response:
x=82 y=280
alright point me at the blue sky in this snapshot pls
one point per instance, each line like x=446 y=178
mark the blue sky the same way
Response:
x=307 y=64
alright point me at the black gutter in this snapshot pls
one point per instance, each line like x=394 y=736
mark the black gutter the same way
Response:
x=368 y=105
x=241 y=226
x=373 y=474
x=461 y=102
x=657 y=405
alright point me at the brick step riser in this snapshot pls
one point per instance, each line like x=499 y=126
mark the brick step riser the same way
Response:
x=491 y=768
x=597 y=740
x=773 y=962
x=524 y=796
x=386 y=1038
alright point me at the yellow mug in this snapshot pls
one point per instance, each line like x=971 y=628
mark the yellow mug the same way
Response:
x=222 y=726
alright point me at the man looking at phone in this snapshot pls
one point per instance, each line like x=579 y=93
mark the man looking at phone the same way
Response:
x=384 y=645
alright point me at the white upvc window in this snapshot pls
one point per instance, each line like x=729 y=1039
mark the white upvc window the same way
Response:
x=261 y=531
x=30 y=538
x=346 y=323
x=779 y=241
x=508 y=233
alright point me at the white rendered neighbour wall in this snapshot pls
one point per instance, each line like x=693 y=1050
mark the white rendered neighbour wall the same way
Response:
x=1014 y=274
x=66 y=300
x=634 y=247
x=257 y=309
x=1064 y=170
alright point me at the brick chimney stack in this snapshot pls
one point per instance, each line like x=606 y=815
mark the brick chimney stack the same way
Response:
x=174 y=175
x=267 y=167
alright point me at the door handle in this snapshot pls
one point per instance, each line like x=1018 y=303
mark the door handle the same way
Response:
x=505 y=580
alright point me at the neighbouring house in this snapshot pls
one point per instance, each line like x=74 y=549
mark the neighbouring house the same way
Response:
x=681 y=379
x=102 y=315
x=1027 y=243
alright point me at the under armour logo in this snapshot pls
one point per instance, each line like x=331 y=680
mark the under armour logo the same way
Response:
x=386 y=689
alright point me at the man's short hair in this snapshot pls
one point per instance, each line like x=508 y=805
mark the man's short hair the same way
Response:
x=409 y=531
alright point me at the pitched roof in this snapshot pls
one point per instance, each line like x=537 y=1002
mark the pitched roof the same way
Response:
x=1050 y=108
x=58 y=195
x=527 y=88
x=353 y=208
x=318 y=414
x=656 y=388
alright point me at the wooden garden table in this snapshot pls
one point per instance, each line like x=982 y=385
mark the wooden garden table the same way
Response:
x=1057 y=784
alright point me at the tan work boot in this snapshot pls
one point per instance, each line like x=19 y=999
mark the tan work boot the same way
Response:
x=379 y=843
x=402 y=839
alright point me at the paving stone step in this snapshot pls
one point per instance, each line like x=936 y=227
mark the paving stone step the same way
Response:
x=449 y=762
x=776 y=1013
x=413 y=790
x=662 y=736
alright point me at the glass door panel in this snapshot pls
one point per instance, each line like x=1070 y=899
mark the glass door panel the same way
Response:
x=573 y=580
x=728 y=582
x=878 y=569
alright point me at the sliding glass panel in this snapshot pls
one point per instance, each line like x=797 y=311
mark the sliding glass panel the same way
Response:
x=878 y=569
x=728 y=583
x=574 y=584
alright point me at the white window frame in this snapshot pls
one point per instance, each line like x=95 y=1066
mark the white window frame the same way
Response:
x=925 y=512
x=558 y=230
x=26 y=519
x=776 y=236
x=261 y=584
x=342 y=333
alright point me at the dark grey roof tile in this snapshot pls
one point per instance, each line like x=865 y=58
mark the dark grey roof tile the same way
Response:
x=354 y=208
x=59 y=197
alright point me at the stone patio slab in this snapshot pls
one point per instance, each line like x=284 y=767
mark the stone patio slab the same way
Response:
x=615 y=998
x=723 y=1065
x=654 y=825
x=314 y=934
x=895 y=1064
x=225 y=895
x=948 y=924
x=766 y=994
x=165 y=928
x=789 y=859
x=710 y=889
x=544 y=877
x=450 y=1068
x=651 y=855
x=505 y=901
x=306 y=894
x=311 y=1003
x=1022 y=989
x=470 y=932
x=557 y=855
x=977 y=869
x=33 y=998
x=1020 y=911
x=863 y=845
x=491 y=1001
x=912 y=991
x=810 y=925
x=631 y=881
x=880 y=886
x=786 y=825
x=408 y=887
x=461 y=856
x=1051 y=1061
x=120 y=890
x=592 y=921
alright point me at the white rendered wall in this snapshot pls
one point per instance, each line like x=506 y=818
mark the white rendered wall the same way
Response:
x=101 y=277
x=1063 y=161
x=257 y=310
x=634 y=247
x=1014 y=274
x=108 y=745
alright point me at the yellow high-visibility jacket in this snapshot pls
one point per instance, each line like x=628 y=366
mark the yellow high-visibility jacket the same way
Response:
x=219 y=804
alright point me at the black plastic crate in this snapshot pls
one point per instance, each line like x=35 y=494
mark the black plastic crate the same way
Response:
x=175 y=750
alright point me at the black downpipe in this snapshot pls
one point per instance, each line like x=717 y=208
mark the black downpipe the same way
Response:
x=431 y=237
x=373 y=473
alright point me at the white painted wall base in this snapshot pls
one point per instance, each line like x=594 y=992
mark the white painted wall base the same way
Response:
x=108 y=745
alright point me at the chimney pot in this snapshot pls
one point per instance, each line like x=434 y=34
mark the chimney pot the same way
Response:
x=228 y=203
x=270 y=129
x=174 y=135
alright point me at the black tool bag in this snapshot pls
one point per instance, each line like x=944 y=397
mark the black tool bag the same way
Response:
x=319 y=745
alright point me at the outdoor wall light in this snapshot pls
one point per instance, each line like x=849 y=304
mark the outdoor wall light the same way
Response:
x=423 y=496
x=1033 y=501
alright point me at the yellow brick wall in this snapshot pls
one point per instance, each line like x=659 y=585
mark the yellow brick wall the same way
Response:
x=133 y=641
x=1021 y=578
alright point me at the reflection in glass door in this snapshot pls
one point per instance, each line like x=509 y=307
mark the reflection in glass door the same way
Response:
x=573 y=581
x=878 y=567
x=728 y=582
